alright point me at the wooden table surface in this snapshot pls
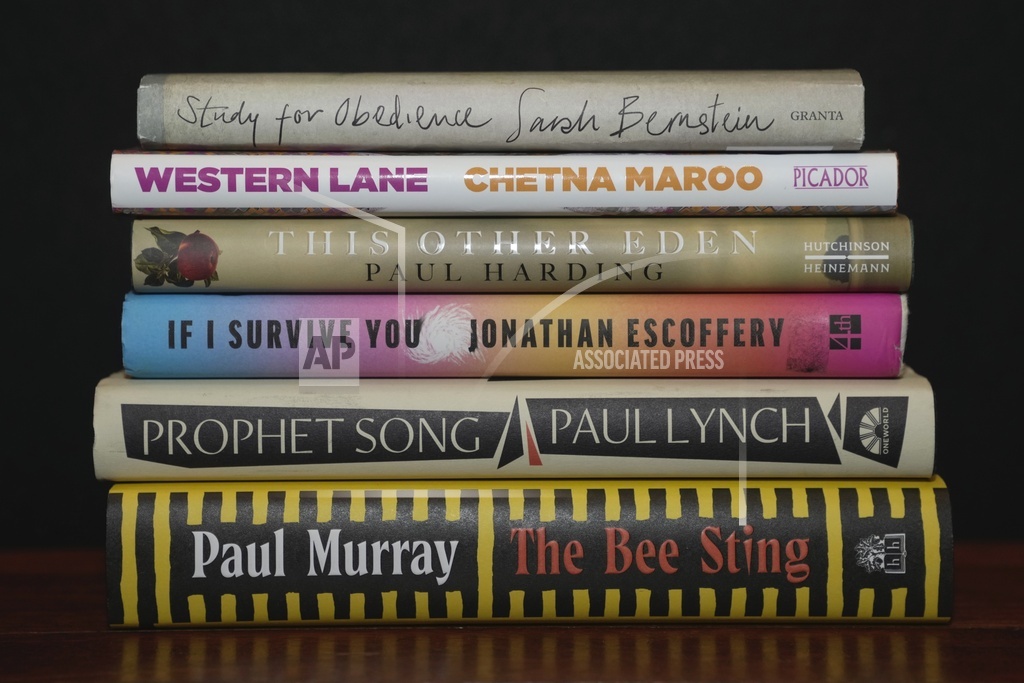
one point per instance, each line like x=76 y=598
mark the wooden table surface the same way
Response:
x=53 y=628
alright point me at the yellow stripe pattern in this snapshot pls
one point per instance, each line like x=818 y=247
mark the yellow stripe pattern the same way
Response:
x=285 y=500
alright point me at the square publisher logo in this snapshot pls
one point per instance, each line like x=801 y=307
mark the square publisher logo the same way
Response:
x=885 y=553
x=844 y=332
x=328 y=352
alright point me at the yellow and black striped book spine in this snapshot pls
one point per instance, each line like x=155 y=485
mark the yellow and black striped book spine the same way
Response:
x=228 y=554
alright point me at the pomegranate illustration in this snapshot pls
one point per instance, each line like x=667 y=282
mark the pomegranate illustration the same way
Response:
x=197 y=256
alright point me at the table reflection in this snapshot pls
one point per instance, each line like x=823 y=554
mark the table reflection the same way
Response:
x=721 y=653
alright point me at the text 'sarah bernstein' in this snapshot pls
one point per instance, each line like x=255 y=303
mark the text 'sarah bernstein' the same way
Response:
x=780 y=110
x=514 y=335
x=170 y=182
x=462 y=552
x=523 y=254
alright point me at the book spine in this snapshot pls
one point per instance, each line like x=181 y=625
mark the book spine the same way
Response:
x=512 y=112
x=527 y=255
x=169 y=429
x=211 y=554
x=338 y=336
x=361 y=185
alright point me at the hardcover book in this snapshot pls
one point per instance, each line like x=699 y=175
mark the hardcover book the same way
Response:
x=343 y=337
x=815 y=110
x=229 y=554
x=355 y=184
x=244 y=429
x=523 y=254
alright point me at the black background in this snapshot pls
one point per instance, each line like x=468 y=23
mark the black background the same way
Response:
x=941 y=91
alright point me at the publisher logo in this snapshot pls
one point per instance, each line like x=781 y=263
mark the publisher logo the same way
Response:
x=844 y=332
x=839 y=258
x=830 y=177
x=887 y=553
x=875 y=428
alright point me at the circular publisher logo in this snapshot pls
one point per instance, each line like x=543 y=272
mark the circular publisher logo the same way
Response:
x=874 y=430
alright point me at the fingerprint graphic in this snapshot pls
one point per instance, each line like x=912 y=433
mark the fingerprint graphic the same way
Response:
x=444 y=336
x=808 y=343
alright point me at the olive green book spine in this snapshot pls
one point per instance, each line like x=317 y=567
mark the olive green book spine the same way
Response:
x=523 y=254
x=229 y=554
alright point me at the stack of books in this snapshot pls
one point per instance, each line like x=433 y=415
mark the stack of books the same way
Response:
x=464 y=348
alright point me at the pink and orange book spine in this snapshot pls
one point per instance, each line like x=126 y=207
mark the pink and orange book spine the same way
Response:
x=329 y=337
